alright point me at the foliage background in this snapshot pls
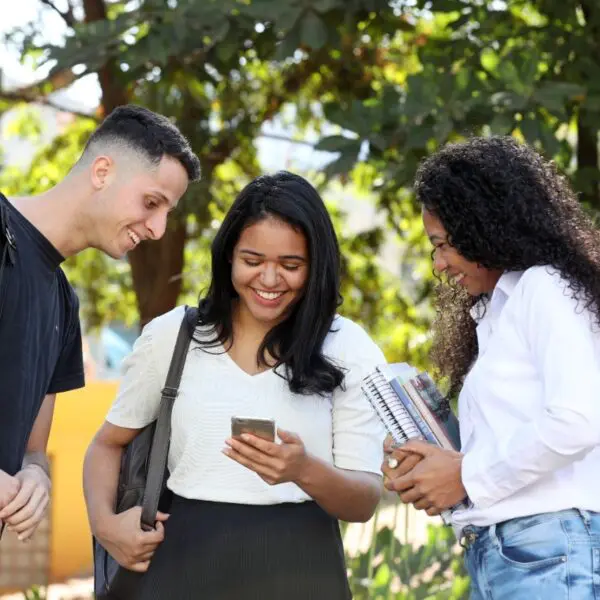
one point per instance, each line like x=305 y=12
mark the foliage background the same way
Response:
x=379 y=84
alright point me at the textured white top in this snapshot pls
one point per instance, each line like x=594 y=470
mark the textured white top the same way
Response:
x=341 y=429
x=529 y=410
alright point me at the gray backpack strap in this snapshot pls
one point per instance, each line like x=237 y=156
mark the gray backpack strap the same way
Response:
x=162 y=434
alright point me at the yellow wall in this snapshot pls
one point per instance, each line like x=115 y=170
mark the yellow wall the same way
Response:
x=77 y=417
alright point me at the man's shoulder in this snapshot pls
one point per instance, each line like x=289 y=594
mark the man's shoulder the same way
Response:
x=67 y=289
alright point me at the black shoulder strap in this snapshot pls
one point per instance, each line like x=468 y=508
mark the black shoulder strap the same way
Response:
x=7 y=245
x=7 y=250
x=162 y=433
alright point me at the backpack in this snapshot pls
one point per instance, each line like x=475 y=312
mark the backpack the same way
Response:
x=8 y=248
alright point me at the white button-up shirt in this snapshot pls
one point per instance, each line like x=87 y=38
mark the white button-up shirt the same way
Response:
x=529 y=410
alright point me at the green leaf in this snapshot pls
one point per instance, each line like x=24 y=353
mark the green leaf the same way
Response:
x=285 y=15
x=419 y=135
x=288 y=45
x=554 y=95
x=592 y=102
x=489 y=59
x=324 y=6
x=549 y=140
x=313 y=31
x=508 y=100
x=383 y=575
x=345 y=162
x=443 y=128
x=502 y=124
x=336 y=143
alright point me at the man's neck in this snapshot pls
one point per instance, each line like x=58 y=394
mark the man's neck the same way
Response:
x=55 y=215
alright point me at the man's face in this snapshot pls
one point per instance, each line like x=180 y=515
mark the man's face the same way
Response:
x=134 y=205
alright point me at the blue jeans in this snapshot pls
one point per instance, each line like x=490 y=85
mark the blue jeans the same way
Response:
x=551 y=556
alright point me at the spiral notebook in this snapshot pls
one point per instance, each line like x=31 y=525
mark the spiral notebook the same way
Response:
x=410 y=406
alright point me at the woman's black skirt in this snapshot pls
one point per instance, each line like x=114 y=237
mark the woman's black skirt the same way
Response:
x=221 y=551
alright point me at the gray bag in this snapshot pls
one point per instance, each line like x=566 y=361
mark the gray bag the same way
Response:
x=143 y=476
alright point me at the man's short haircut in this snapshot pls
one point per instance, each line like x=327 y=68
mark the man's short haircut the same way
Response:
x=146 y=133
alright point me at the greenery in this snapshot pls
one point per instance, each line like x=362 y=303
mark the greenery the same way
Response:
x=35 y=593
x=380 y=84
x=220 y=86
x=393 y=570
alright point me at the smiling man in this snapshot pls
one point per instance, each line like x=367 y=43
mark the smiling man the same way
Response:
x=133 y=171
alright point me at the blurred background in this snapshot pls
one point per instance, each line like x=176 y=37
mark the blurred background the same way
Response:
x=352 y=94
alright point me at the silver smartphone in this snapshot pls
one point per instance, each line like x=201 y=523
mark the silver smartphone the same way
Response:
x=264 y=428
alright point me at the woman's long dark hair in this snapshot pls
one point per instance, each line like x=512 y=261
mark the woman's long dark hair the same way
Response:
x=297 y=341
x=504 y=207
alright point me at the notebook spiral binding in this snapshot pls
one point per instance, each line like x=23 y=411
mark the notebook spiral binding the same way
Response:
x=390 y=410
x=393 y=415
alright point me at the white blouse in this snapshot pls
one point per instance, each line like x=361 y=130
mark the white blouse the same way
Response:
x=529 y=409
x=340 y=429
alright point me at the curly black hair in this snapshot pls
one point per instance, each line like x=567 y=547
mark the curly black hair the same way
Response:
x=503 y=207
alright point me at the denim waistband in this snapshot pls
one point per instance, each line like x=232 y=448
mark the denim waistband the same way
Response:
x=579 y=522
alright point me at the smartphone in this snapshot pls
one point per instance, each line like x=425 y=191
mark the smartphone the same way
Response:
x=264 y=428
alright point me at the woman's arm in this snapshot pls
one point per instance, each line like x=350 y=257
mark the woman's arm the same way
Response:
x=350 y=496
x=121 y=534
x=349 y=485
x=101 y=473
x=347 y=495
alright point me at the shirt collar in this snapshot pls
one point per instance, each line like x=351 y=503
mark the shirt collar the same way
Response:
x=504 y=288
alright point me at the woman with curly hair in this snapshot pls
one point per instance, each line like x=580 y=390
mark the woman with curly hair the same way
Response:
x=518 y=336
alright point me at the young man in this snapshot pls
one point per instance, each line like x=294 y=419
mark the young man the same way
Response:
x=133 y=171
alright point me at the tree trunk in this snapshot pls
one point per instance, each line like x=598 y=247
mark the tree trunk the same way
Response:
x=113 y=92
x=587 y=161
x=157 y=268
x=587 y=125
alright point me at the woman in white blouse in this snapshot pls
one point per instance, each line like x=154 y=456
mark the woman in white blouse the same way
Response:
x=251 y=518
x=518 y=333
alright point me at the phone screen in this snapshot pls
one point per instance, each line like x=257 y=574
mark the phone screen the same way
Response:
x=264 y=428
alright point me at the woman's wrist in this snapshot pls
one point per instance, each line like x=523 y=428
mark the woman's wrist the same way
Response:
x=102 y=526
x=308 y=472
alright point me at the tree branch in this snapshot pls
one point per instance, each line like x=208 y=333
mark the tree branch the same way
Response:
x=57 y=81
x=68 y=17
x=285 y=138
x=17 y=96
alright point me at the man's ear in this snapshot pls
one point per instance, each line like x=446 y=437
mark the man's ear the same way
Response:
x=102 y=171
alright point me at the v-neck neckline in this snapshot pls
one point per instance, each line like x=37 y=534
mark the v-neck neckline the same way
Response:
x=236 y=366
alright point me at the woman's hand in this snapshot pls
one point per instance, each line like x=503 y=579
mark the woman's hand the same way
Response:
x=432 y=485
x=396 y=463
x=125 y=540
x=274 y=463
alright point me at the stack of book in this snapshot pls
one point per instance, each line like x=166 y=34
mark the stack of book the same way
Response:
x=410 y=406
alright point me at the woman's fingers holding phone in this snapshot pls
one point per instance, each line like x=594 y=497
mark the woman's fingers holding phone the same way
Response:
x=275 y=463
x=248 y=447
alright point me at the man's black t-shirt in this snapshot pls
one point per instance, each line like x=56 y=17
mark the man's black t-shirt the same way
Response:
x=40 y=336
